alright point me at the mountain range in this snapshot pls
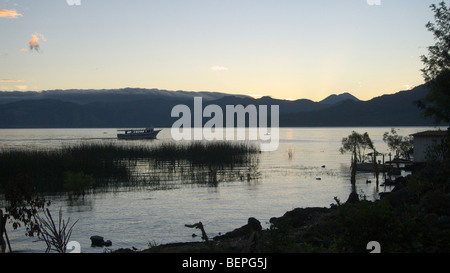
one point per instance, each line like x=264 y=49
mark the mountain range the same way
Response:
x=137 y=107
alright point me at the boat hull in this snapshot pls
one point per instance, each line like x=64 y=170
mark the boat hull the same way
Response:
x=137 y=136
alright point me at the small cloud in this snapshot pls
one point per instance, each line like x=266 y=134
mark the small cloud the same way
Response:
x=34 y=42
x=22 y=87
x=5 y=13
x=218 y=68
x=8 y=80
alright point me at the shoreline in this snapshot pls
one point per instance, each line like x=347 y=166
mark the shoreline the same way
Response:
x=413 y=218
x=305 y=222
x=240 y=240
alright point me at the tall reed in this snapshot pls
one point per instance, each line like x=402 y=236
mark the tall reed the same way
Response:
x=115 y=162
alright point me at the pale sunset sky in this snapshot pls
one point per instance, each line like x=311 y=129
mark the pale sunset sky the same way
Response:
x=286 y=49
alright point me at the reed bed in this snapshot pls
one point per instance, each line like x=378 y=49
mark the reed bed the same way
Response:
x=115 y=162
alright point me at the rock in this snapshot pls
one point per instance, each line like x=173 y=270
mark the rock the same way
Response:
x=124 y=250
x=99 y=241
x=300 y=217
x=399 y=197
x=252 y=225
x=400 y=180
x=352 y=198
x=388 y=182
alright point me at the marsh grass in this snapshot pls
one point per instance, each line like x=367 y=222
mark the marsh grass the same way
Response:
x=112 y=163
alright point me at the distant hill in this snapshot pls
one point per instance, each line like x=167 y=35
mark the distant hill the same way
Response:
x=286 y=106
x=332 y=99
x=388 y=110
x=134 y=107
x=85 y=96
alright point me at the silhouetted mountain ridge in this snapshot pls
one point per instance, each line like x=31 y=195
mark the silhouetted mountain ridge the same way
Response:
x=332 y=99
x=84 y=96
x=134 y=107
x=396 y=109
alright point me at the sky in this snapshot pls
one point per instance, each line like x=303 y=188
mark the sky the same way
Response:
x=286 y=49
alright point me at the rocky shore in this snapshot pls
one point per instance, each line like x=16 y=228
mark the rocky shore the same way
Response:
x=413 y=217
x=245 y=239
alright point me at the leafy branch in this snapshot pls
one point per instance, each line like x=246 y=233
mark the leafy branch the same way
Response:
x=54 y=236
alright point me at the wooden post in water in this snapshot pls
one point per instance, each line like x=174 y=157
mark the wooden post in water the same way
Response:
x=2 y=241
x=375 y=166
x=3 y=230
x=199 y=225
x=353 y=167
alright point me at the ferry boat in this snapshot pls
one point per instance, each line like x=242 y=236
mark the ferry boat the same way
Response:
x=145 y=133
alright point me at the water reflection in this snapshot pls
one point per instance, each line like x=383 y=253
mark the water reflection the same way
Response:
x=80 y=204
x=166 y=194
x=167 y=174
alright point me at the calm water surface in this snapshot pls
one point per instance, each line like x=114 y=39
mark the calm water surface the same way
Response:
x=135 y=217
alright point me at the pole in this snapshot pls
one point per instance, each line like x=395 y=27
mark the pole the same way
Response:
x=3 y=229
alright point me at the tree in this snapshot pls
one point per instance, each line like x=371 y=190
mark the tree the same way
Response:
x=23 y=204
x=356 y=144
x=402 y=146
x=437 y=67
x=437 y=76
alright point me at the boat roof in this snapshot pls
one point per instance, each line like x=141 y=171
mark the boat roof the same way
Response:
x=430 y=133
x=135 y=129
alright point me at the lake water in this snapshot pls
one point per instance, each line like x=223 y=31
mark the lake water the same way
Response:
x=135 y=217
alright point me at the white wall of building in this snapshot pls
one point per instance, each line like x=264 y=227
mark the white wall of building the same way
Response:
x=421 y=144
